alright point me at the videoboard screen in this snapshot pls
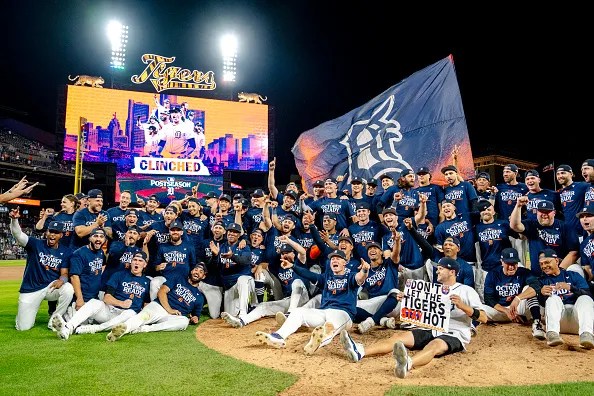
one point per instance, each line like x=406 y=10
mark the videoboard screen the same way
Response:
x=166 y=144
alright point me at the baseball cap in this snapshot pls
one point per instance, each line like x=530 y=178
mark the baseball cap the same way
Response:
x=218 y=223
x=244 y=203
x=450 y=201
x=258 y=193
x=547 y=253
x=449 y=168
x=286 y=248
x=588 y=209
x=171 y=208
x=55 y=226
x=484 y=175
x=337 y=253
x=195 y=200
x=511 y=167
x=237 y=196
x=357 y=180
x=545 y=206
x=291 y=194
x=319 y=183
x=80 y=196
x=134 y=227
x=174 y=110
x=153 y=198
x=449 y=263
x=257 y=231
x=510 y=255
x=372 y=182
x=290 y=216
x=373 y=244
x=331 y=216
x=564 y=167
x=532 y=172
x=225 y=197
x=385 y=176
x=141 y=255
x=423 y=170
x=588 y=162
x=483 y=204
x=176 y=224
x=99 y=231
x=95 y=193
x=200 y=264
x=330 y=180
x=362 y=205
x=211 y=194
x=234 y=227
x=454 y=240
x=346 y=238
x=406 y=172
x=131 y=212
x=389 y=210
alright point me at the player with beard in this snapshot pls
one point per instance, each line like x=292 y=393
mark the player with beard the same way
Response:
x=573 y=197
x=150 y=213
x=332 y=204
x=195 y=222
x=179 y=303
x=90 y=218
x=120 y=253
x=212 y=285
x=117 y=213
x=158 y=233
x=127 y=292
x=119 y=228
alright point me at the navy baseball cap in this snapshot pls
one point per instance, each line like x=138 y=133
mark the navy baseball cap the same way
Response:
x=218 y=223
x=449 y=168
x=454 y=240
x=389 y=210
x=176 y=224
x=423 y=170
x=141 y=255
x=234 y=227
x=55 y=226
x=171 y=208
x=357 y=180
x=174 y=110
x=331 y=216
x=483 y=204
x=330 y=180
x=385 y=176
x=406 y=172
x=211 y=194
x=257 y=231
x=319 y=183
x=372 y=182
x=510 y=255
x=286 y=248
x=195 y=200
x=225 y=197
x=531 y=172
x=449 y=263
x=362 y=205
x=201 y=265
x=291 y=194
x=450 y=201
x=373 y=244
x=588 y=162
x=153 y=198
x=95 y=193
x=547 y=253
x=346 y=238
x=588 y=209
x=80 y=196
x=511 y=167
x=545 y=206
x=258 y=193
x=99 y=231
x=238 y=196
x=484 y=175
x=565 y=168
x=337 y=253
x=134 y=227
x=131 y=212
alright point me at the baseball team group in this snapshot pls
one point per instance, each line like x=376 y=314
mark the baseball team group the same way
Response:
x=336 y=261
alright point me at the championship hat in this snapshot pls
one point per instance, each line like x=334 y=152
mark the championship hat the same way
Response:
x=176 y=224
x=234 y=227
x=449 y=263
x=55 y=227
x=510 y=255
x=337 y=253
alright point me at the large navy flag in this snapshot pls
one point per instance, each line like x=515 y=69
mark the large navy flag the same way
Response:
x=417 y=122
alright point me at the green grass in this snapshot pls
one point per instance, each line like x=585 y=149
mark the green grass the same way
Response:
x=11 y=263
x=35 y=362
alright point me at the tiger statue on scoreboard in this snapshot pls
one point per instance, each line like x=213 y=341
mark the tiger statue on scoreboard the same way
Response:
x=93 y=81
x=251 y=97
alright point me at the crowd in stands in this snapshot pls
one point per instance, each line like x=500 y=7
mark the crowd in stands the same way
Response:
x=505 y=252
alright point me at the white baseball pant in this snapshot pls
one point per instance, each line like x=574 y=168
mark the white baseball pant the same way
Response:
x=236 y=300
x=156 y=284
x=311 y=317
x=154 y=317
x=29 y=303
x=214 y=298
x=106 y=315
x=567 y=318
x=298 y=297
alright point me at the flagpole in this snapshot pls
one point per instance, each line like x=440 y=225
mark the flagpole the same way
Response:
x=554 y=176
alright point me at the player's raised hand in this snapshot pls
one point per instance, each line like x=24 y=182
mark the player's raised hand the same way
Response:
x=14 y=213
x=286 y=264
x=214 y=248
x=364 y=266
x=272 y=165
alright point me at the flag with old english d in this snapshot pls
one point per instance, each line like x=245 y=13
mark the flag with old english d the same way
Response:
x=418 y=122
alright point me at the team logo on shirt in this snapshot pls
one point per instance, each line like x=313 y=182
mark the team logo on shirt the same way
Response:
x=184 y=294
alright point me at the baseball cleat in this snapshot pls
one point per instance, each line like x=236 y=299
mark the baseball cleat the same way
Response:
x=587 y=340
x=231 y=320
x=60 y=327
x=353 y=350
x=366 y=325
x=553 y=338
x=281 y=318
x=403 y=362
x=117 y=332
x=537 y=330
x=390 y=323
x=318 y=335
x=86 y=329
x=273 y=339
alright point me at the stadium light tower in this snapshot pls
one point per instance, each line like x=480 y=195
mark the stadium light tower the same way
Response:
x=229 y=51
x=118 y=36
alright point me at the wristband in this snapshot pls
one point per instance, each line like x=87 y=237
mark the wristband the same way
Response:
x=64 y=279
x=475 y=314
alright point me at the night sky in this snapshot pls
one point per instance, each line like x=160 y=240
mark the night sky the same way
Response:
x=524 y=79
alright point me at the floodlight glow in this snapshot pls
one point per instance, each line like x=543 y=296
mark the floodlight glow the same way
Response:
x=229 y=46
x=118 y=37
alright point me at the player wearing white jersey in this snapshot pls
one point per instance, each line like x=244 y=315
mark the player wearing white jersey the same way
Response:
x=174 y=141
